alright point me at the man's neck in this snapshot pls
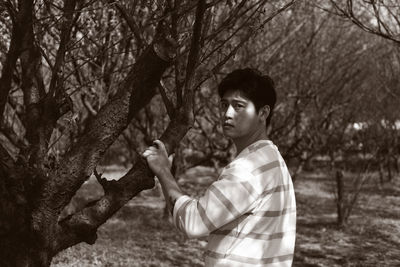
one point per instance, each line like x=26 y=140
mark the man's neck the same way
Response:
x=243 y=142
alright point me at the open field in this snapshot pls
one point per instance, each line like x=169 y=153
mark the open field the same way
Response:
x=138 y=235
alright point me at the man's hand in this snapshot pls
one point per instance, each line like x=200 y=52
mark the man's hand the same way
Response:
x=157 y=158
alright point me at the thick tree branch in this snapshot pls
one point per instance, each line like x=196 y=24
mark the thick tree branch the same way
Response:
x=31 y=63
x=134 y=93
x=171 y=6
x=65 y=37
x=83 y=225
x=18 y=32
x=41 y=112
x=195 y=47
x=78 y=164
x=167 y=102
x=184 y=116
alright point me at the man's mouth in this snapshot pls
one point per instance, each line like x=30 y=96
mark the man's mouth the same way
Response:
x=226 y=124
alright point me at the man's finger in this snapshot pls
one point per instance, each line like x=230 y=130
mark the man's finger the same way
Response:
x=152 y=148
x=148 y=153
x=159 y=144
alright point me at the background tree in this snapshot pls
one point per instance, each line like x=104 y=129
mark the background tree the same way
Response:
x=331 y=78
x=379 y=17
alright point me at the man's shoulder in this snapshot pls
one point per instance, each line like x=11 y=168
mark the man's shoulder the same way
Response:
x=261 y=145
x=252 y=158
x=261 y=150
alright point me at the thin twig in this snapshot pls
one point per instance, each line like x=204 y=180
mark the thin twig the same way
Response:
x=132 y=25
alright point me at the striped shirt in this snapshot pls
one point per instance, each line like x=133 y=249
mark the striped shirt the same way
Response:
x=248 y=214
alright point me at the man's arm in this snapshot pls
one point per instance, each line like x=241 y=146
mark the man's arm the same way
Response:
x=224 y=201
x=157 y=158
x=170 y=188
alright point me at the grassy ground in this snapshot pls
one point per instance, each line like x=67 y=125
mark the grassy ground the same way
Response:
x=139 y=235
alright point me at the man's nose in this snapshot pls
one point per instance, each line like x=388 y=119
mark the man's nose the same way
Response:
x=229 y=112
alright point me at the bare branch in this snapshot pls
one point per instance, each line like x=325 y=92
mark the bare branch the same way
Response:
x=171 y=6
x=18 y=33
x=244 y=40
x=232 y=18
x=168 y=104
x=194 y=52
x=132 y=25
x=65 y=36
x=383 y=28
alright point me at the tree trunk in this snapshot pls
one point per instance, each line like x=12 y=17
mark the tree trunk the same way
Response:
x=381 y=172
x=23 y=252
x=341 y=219
x=395 y=164
x=20 y=244
x=389 y=168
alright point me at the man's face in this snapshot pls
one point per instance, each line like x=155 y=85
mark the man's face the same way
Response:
x=239 y=116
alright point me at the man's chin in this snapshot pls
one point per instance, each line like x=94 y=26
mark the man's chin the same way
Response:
x=229 y=134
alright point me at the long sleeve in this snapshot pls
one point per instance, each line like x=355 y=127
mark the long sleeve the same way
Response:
x=234 y=194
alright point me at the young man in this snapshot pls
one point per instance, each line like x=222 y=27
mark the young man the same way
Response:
x=249 y=213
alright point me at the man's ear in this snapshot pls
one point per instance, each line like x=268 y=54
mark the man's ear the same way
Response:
x=264 y=111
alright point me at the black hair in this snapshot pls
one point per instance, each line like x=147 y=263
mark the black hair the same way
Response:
x=260 y=89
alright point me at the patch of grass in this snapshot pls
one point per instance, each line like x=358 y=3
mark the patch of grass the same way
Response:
x=135 y=236
x=371 y=237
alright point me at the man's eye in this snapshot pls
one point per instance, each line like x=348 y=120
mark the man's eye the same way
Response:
x=238 y=106
x=224 y=105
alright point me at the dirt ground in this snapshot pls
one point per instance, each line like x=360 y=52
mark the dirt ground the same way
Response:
x=139 y=235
